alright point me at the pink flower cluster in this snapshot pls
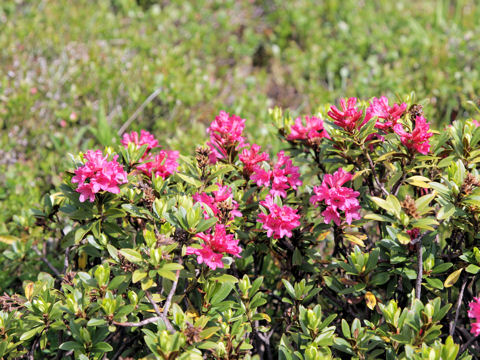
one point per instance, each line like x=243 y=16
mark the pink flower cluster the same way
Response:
x=417 y=139
x=337 y=197
x=98 y=174
x=282 y=177
x=381 y=109
x=280 y=221
x=474 y=313
x=145 y=138
x=313 y=130
x=251 y=157
x=215 y=245
x=225 y=135
x=215 y=202
x=349 y=117
x=162 y=164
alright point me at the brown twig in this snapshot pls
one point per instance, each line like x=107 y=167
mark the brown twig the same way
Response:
x=138 y=324
x=453 y=324
x=45 y=260
x=374 y=173
x=154 y=304
x=418 y=285
x=168 y=302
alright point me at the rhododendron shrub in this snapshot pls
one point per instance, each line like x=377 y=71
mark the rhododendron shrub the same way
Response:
x=358 y=239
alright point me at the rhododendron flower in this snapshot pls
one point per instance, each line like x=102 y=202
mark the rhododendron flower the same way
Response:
x=474 y=313
x=349 y=116
x=98 y=174
x=476 y=123
x=418 y=138
x=413 y=233
x=225 y=134
x=314 y=129
x=163 y=164
x=145 y=138
x=221 y=203
x=251 y=157
x=337 y=197
x=380 y=109
x=280 y=221
x=214 y=246
x=282 y=177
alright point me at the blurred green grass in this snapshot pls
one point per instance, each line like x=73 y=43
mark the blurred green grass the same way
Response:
x=78 y=63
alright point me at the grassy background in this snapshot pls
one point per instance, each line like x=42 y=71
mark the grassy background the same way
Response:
x=78 y=63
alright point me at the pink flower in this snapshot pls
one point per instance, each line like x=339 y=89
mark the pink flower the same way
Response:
x=413 y=233
x=225 y=135
x=476 y=123
x=283 y=176
x=348 y=117
x=206 y=255
x=145 y=138
x=314 y=129
x=418 y=138
x=214 y=246
x=380 y=109
x=98 y=174
x=280 y=221
x=337 y=197
x=251 y=157
x=222 y=200
x=474 y=313
x=163 y=164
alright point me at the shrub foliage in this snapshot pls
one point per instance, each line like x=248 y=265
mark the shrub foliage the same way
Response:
x=358 y=240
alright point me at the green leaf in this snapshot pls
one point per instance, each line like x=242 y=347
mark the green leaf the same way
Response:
x=221 y=293
x=131 y=255
x=452 y=278
x=138 y=275
x=31 y=333
x=71 y=345
x=289 y=288
x=472 y=269
x=102 y=346
x=96 y=322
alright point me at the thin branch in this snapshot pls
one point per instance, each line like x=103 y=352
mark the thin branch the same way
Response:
x=154 y=304
x=138 y=111
x=467 y=344
x=138 y=324
x=375 y=177
x=453 y=324
x=168 y=302
x=66 y=261
x=45 y=260
x=418 y=285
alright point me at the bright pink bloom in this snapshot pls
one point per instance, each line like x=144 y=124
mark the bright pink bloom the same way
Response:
x=206 y=255
x=163 y=164
x=418 y=138
x=476 y=123
x=261 y=177
x=283 y=176
x=280 y=221
x=225 y=134
x=251 y=157
x=349 y=117
x=314 y=129
x=474 y=313
x=145 y=138
x=337 y=197
x=413 y=233
x=214 y=246
x=222 y=195
x=98 y=174
x=380 y=109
